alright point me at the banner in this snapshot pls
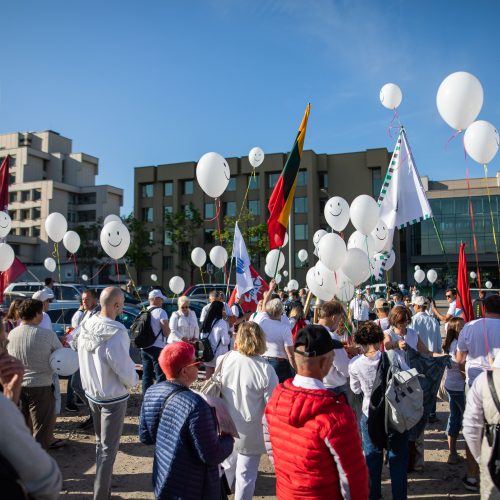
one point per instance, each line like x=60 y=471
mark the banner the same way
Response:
x=244 y=281
x=250 y=299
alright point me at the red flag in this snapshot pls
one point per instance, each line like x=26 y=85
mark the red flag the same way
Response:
x=7 y=277
x=4 y=184
x=464 y=302
x=251 y=298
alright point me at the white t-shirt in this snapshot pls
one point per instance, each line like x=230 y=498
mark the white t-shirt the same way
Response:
x=205 y=309
x=383 y=323
x=360 y=309
x=46 y=322
x=411 y=338
x=219 y=340
x=278 y=335
x=182 y=326
x=362 y=371
x=452 y=310
x=454 y=380
x=156 y=315
x=339 y=372
x=478 y=338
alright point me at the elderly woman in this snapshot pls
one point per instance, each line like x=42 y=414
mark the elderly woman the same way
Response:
x=247 y=384
x=183 y=323
x=279 y=342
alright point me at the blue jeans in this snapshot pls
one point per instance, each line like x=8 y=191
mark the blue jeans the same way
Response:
x=281 y=367
x=457 y=407
x=150 y=367
x=398 y=462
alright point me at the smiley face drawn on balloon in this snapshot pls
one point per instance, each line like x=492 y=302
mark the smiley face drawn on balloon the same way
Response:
x=115 y=239
x=380 y=232
x=227 y=170
x=256 y=157
x=318 y=235
x=5 y=224
x=319 y=278
x=337 y=213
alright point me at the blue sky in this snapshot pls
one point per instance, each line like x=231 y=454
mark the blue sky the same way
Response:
x=143 y=83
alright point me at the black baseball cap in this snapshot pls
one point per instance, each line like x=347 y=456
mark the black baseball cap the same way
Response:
x=316 y=340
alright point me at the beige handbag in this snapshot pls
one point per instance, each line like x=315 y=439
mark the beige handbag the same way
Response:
x=213 y=386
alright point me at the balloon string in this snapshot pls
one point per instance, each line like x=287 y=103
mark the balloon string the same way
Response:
x=252 y=176
x=220 y=238
x=369 y=264
x=56 y=249
x=76 y=266
x=117 y=271
x=217 y=211
x=203 y=281
x=98 y=272
x=471 y=212
x=132 y=282
x=491 y=215
x=451 y=138
x=391 y=126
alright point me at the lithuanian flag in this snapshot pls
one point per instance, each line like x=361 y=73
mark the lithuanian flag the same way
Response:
x=280 y=203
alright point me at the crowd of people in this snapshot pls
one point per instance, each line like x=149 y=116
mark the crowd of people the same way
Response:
x=305 y=384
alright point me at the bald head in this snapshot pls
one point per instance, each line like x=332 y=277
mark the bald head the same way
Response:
x=112 y=301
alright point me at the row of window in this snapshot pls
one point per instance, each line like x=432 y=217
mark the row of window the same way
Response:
x=26 y=231
x=25 y=214
x=187 y=187
x=82 y=199
x=26 y=195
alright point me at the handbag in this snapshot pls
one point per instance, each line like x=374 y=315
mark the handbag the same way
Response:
x=442 y=393
x=213 y=386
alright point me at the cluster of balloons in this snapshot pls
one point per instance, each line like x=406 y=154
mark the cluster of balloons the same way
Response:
x=420 y=275
x=459 y=101
x=6 y=252
x=56 y=227
x=473 y=276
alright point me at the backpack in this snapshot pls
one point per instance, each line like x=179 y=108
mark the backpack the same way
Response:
x=492 y=433
x=376 y=409
x=10 y=482
x=141 y=330
x=208 y=352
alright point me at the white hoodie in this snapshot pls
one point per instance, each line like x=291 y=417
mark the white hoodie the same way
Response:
x=106 y=369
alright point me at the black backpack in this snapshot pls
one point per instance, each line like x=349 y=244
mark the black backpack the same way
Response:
x=492 y=433
x=10 y=483
x=141 y=331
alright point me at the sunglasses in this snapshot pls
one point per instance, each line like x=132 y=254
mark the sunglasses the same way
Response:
x=448 y=296
x=184 y=307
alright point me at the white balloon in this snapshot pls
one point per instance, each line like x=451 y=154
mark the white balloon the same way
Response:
x=278 y=278
x=111 y=218
x=390 y=96
x=318 y=235
x=213 y=174
x=50 y=264
x=256 y=157
x=218 y=256
x=488 y=284
x=5 y=224
x=473 y=275
x=432 y=276
x=419 y=276
x=332 y=251
x=115 y=239
x=154 y=277
x=56 y=226
x=176 y=284
x=64 y=361
x=364 y=213
x=198 y=256
x=6 y=256
x=363 y=242
x=381 y=236
x=459 y=99
x=85 y=277
x=417 y=268
x=275 y=259
x=356 y=266
x=71 y=241
x=391 y=260
x=269 y=271
x=285 y=273
x=325 y=279
x=337 y=213
x=481 y=141
x=345 y=288
x=293 y=285
x=285 y=240
x=302 y=255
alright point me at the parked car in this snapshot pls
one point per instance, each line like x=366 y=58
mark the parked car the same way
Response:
x=63 y=292
x=201 y=291
x=9 y=297
x=130 y=299
x=61 y=313
x=170 y=306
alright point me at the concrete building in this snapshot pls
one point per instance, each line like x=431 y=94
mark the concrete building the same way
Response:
x=47 y=176
x=171 y=187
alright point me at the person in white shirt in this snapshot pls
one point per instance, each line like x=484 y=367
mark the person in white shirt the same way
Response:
x=248 y=382
x=451 y=297
x=426 y=327
x=45 y=297
x=360 y=308
x=151 y=369
x=213 y=296
x=382 y=309
x=183 y=323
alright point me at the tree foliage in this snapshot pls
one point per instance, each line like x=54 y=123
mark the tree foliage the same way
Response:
x=142 y=247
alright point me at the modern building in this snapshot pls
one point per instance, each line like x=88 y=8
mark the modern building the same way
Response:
x=172 y=187
x=47 y=176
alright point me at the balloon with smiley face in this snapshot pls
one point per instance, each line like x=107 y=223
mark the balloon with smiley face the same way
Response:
x=382 y=236
x=213 y=174
x=318 y=235
x=256 y=157
x=115 y=239
x=5 y=224
x=337 y=213
x=325 y=279
x=363 y=242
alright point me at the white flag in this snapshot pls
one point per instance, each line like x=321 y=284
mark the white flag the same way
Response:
x=244 y=280
x=402 y=199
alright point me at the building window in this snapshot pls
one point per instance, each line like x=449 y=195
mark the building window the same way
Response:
x=25 y=195
x=35 y=231
x=167 y=240
x=36 y=194
x=72 y=216
x=168 y=188
x=187 y=187
x=25 y=214
x=230 y=208
x=254 y=181
x=302 y=178
x=273 y=179
x=147 y=190
x=188 y=211
x=168 y=263
x=147 y=214
x=13 y=214
x=35 y=213
x=12 y=196
x=208 y=236
x=12 y=178
x=300 y=205
x=209 y=211
x=376 y=181
x=25 y=231
x=254 y=207
x=231 y=185
x=86 y=216
x=151 y=236
x=301 y=232
x=168 y=209
x=88 y=198
x=323 y=180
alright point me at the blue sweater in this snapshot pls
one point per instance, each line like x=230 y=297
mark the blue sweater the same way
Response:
x=188 y=448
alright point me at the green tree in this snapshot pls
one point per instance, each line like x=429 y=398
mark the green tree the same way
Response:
x=142 y=246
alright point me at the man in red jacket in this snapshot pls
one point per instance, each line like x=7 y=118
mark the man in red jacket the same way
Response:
x=311 y=435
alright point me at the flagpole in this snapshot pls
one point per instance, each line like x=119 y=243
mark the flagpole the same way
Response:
x=291 y=242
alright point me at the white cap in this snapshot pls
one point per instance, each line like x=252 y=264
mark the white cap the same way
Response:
x=419 y=301
x=154 y=294
x=43 y=295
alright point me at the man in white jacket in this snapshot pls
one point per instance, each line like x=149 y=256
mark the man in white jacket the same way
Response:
x=107 y=372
